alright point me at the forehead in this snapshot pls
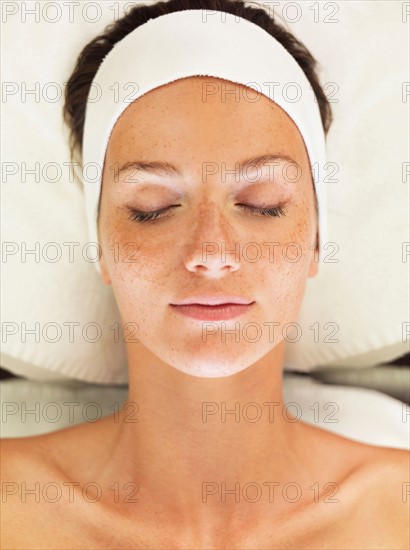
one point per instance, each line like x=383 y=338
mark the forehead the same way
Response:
x=212 y=117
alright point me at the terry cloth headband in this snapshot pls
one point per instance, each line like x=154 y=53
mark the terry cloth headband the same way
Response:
x=197 y=42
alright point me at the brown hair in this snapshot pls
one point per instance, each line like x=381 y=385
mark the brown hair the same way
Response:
x=79 y=83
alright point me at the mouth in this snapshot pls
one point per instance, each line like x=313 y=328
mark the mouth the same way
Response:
x=216 y=312
x=213 y=300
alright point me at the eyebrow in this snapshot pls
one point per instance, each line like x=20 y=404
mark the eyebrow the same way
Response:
x=162 y=168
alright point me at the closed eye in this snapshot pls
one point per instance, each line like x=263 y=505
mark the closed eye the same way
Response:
x=275 y=211
x=141 y=216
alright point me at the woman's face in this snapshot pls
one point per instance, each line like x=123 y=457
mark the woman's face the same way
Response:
x=209 y=243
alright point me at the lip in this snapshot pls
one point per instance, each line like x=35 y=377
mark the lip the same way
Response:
x=221 y=312
x=213 y=300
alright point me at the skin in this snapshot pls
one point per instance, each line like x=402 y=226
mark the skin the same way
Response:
x=177 y=126
x=173 y=449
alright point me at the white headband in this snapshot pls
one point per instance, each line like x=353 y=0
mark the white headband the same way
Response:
x=197 y=42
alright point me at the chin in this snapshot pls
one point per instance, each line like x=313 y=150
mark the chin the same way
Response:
x=211 y=367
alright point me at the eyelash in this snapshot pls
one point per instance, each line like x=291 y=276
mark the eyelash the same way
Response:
x=142 y=217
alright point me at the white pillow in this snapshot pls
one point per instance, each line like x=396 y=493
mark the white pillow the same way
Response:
x=364 y=296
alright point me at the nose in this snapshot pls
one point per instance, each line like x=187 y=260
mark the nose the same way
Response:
x=212 y=251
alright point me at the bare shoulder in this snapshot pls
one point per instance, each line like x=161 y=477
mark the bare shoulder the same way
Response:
x=25 y=462
x=33 y=475
x=388 y=482
x=31 y=452
x=382 y=482
x=396 y=460
x=38 y=459
x=374 y=482
x=390 y=468
x=22 y=467
x=384 y=469
x=53 y=452
x=21 y=456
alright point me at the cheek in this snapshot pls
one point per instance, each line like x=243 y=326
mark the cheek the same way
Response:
x=140 y=267
x=285 y=266
x=285 y=271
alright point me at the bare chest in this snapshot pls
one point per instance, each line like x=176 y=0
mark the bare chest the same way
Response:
x=81 y=527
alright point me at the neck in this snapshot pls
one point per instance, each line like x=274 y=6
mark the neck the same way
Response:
x=193 y=444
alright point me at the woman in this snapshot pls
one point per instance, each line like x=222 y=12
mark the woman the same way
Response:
x=184 y=463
